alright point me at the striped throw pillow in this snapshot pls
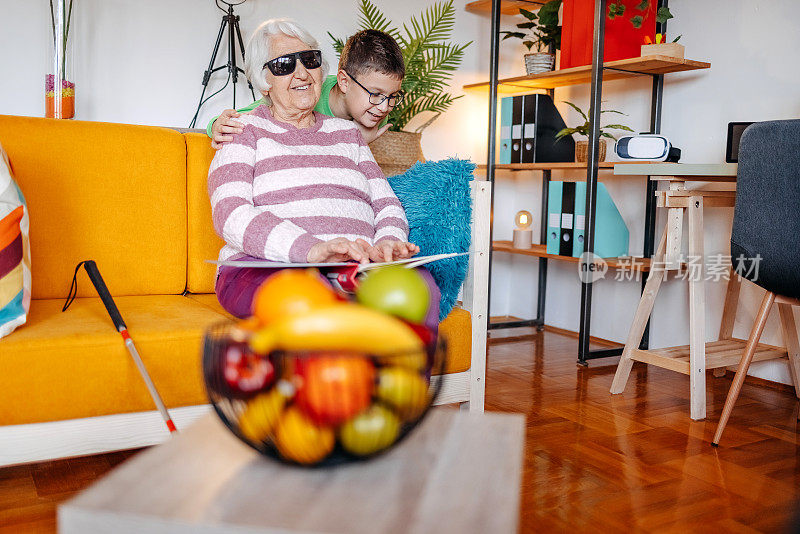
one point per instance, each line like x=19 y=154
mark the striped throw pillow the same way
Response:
x=15 y=254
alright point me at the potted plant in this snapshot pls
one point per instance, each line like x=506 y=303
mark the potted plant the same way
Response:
x=543 y=32
x=430 y=60
x=582 y=147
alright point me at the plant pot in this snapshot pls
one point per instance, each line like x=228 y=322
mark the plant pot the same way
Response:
x=664 y=49
x=539 y=62
x=396 y=152
x=582 y=151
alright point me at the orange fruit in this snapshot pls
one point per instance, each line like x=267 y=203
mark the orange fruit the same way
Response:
x=300 y=440
x=291 y=292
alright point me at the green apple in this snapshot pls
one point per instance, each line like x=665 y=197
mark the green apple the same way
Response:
x=370 y=432
x=397 y=291
x=403 y=389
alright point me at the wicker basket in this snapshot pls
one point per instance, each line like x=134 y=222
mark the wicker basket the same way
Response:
x=582 y=151
x=396 y=152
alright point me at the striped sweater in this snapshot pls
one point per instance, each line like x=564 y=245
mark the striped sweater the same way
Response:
x=277 y=190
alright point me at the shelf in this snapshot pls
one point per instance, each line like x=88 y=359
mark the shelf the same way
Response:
x=614 y=70
x=564 y=165
x=507 y=7
x=722 y=353
x=641 y=264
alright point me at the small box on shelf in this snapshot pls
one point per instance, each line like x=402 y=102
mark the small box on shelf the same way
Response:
x=675 y=50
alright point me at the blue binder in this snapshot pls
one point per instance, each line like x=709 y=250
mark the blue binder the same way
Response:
x=611 y=234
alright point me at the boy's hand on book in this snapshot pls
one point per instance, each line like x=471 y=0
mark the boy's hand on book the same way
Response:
x=392 y=250
x=224 y=127
x=339 y=250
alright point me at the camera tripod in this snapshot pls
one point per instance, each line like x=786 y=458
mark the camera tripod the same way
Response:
x=231 y=22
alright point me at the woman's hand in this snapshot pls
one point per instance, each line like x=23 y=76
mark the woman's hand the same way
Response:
x=390 y=250
x=370 y=134
x=224 y=127
x=340 y=249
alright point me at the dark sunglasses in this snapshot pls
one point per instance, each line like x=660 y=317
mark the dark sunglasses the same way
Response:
x=284 y=65
x=376 y=99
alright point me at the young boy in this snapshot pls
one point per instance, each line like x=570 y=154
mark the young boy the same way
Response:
x=364 y=90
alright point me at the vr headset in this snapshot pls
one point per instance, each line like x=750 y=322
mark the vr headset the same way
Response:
x=647 y=147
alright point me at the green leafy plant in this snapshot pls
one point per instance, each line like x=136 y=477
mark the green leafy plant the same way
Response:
x=543 y=29
x=586 y=127
x=641 y=12
x=429 y=57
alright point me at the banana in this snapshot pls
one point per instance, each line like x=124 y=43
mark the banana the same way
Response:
x=343 y=326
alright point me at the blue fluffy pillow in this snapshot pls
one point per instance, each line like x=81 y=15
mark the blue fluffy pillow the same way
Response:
x=436 y=197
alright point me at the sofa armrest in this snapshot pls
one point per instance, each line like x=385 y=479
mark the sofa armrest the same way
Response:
x=475 y=290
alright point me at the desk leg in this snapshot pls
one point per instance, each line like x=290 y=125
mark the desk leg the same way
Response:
x=731 y=303
x=729 y=312
x=697 y=312
x=640 y=318
x=789 y=328
x=674 y=231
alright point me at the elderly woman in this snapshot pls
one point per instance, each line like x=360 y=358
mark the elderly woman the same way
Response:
x=295 y=185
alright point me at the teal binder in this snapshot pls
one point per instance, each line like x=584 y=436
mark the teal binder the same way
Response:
x=610 y=236
x=504 y=152
x=554 y=217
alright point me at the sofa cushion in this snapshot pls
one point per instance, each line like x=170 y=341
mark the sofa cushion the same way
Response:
x=436 y=197
x=15 y=252
x=204 y=243
x=74 y=364
x=456 y=327
x=113 y=193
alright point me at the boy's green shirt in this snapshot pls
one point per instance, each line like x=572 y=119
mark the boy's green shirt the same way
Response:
x=323 y=106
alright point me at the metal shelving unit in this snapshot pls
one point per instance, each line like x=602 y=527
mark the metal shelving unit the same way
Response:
x=652 y=66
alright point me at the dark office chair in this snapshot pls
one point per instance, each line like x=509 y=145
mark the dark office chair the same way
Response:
x=765 y=241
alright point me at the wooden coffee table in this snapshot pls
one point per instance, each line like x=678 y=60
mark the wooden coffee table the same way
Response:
x=456 y=473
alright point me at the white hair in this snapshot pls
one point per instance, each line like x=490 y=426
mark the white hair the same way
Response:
x=259 y=49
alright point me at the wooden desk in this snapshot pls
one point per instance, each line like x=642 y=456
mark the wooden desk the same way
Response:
x=703 y=172
x=457 y=472
x=695 y=358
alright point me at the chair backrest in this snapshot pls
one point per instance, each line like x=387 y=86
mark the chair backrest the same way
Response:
x=765 y=241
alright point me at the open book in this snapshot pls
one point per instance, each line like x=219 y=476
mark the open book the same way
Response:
x=408 y=262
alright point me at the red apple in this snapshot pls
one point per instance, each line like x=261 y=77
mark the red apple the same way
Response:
x=245 y=372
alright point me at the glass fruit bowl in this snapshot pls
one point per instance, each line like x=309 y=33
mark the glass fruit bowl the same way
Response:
x=319 y=407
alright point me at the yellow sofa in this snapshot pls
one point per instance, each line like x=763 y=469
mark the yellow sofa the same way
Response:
x=132 y=198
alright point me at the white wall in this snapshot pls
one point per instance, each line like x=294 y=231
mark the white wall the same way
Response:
x=142 y=62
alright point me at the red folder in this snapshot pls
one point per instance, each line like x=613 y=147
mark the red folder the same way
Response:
x=622 y=40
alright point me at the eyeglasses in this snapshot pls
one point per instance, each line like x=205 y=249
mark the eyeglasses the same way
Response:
x=285 y=65
x=376 y=99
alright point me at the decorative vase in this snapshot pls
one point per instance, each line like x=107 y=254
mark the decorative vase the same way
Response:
x=582 y=151
x=396 y=152
x=539 y=62
x=59 y=86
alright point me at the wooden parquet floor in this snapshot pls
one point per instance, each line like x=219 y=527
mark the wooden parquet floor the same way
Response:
x=593 y=462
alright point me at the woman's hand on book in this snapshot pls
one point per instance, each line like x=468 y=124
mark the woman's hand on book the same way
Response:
x=338 y=250
x=391 y=250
